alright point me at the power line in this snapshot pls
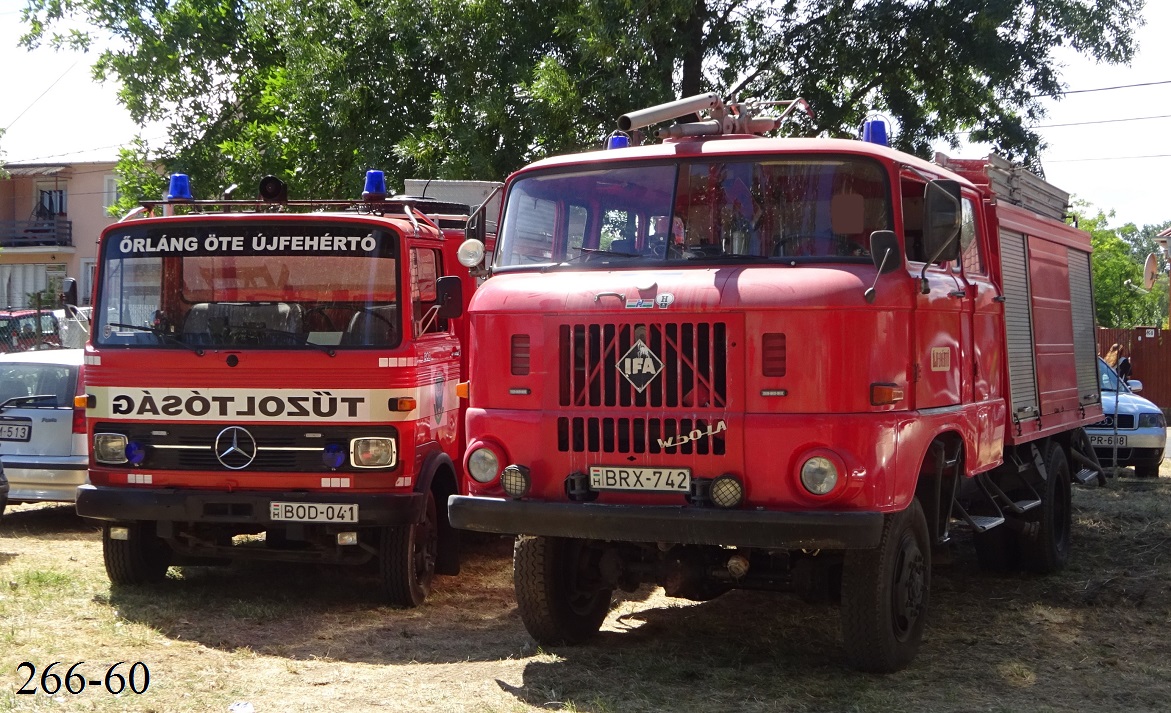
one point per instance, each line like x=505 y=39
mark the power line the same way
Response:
x=1102 y=121
x=1087 y=123
x=1098 y=89
x=1107 y=158
x=30 y=106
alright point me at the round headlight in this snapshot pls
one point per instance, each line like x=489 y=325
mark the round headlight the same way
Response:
x=726 y=491
x=819 y=475
x=515 y=481
x=470 y=253
x=483 y=465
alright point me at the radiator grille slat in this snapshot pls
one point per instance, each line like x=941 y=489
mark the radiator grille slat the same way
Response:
x=655 y=436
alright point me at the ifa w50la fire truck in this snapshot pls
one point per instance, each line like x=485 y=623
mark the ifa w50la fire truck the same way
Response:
x=279 y=367
x=728 y=361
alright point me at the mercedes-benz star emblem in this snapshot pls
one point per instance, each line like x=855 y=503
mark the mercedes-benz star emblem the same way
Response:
x=235 y=448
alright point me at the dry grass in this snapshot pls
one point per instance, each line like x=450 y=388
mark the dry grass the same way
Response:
x=299 y=638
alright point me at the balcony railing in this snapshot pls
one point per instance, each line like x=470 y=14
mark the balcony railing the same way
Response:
x=32 y=233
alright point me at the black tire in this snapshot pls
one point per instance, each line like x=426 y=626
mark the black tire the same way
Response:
x=997 y=550
x=1147 y=470
x=406 y=558
x=1045 y=544
x=142 y=558
x=885 y=593
x=558 y=599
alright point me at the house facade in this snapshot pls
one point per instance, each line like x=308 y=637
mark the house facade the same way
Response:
x=51 y=215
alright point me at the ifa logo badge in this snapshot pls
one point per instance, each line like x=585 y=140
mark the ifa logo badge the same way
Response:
x=639 y=365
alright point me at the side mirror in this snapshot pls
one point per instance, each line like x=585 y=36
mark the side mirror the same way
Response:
x=884 y=251
x=1134 y=385
x=68 y=292
x=449 y=296
x=941 y=220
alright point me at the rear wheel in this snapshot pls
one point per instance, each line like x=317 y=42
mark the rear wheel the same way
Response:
x=560 y=598
x=406 y=558
x=1045 y=547
x=885 y=593
x=143 y=557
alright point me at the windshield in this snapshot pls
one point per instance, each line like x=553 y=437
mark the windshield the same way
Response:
x=1108 y=379
x=794 y=208
x=248 y=285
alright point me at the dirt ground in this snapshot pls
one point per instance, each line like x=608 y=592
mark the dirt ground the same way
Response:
x=297 y=638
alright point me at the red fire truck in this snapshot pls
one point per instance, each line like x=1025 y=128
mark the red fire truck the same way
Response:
x=275 y=379
x=728 y=361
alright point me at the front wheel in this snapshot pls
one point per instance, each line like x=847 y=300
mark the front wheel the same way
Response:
x=885 y=593
x=141 y=557
x=1045 y=544
x=559 y=594
x=406 y=558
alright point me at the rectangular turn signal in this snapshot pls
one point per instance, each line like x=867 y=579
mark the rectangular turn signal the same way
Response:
x=884 y=394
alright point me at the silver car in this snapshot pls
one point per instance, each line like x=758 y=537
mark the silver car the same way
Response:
x=42 y=433
x=1134 y=427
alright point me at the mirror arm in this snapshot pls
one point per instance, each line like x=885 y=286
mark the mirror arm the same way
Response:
x=924 y=286
x=870 y=293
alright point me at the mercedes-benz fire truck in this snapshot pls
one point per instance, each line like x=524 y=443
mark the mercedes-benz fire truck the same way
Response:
x=275 y=379
x=728 y=361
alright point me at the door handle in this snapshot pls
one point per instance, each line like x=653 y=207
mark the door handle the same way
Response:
x=1000 y=298
x=958 y=294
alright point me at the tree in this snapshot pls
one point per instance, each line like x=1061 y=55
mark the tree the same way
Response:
x=317 y=91
x=1117 y=271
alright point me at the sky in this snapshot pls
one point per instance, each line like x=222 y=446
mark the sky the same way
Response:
x=54 y=111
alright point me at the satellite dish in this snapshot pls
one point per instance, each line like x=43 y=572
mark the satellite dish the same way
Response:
x=1150 y=270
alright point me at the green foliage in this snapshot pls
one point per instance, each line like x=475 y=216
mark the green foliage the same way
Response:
x=1118 y=257
x=3 y=173
x=315 y=92
x=139 y=178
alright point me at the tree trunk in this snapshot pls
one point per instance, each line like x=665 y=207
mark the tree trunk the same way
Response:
x=693 y=50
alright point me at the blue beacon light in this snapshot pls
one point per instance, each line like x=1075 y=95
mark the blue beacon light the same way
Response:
x=617 y=141
x=135 y=452
x=375 y=186
x=180 y=188
x=874 y=131
x=333 y=455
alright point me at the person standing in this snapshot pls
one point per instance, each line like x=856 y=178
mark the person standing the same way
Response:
x=1123 y=367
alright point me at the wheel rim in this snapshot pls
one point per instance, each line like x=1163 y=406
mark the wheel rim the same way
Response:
x=909 y=593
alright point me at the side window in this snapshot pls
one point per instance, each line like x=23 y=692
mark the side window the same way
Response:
x=577 y=229
x=970 y=258
x=425 y=269
x=619 y=231
x=912 y=199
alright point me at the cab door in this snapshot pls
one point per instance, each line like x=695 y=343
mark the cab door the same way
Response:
x=935 y=363
x=437 y=352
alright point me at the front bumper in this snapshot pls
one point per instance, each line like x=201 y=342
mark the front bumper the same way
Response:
x=677 y=525
x=44 y=478
x=177 y=505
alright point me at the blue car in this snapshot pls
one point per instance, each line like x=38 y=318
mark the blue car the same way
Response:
x=1134 y=427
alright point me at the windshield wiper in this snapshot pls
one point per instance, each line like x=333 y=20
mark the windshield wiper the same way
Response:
x=160 y=334
x=585 y=255
x=37 y=401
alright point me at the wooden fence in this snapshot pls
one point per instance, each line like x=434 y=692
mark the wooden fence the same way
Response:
x=1150 y=357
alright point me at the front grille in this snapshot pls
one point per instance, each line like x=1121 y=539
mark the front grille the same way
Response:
x=641 y=435
x=693 y=372
x=1126 y=420
x=191 y=446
